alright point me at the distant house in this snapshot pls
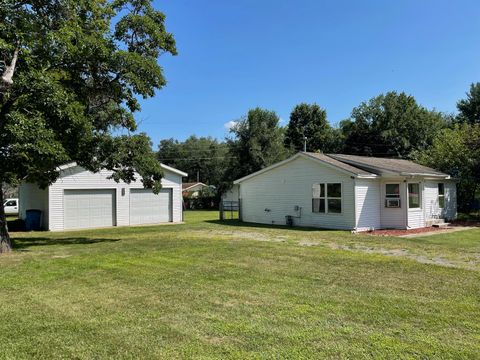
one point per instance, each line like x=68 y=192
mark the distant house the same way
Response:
x=80 y=199
x=347 y=192
x=193 y=189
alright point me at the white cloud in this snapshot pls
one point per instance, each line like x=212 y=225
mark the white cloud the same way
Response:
x=230 y=124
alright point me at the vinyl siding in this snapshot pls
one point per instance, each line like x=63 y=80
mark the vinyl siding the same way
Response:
x=32 y=197
x=393 y=218
x=368 y=204
x=79 y=178
x=268 y=197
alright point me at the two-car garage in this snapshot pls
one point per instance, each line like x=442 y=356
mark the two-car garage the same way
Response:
x=80 y=199
x=94 y=208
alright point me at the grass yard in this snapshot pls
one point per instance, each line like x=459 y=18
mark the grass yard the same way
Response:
x=211 y=290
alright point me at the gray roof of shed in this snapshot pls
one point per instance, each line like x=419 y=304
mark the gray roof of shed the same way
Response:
x=382 y=165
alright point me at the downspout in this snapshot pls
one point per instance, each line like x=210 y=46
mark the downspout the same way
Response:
x=355 y=228
x=406 y=204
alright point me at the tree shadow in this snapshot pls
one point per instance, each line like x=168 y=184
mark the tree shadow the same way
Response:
x=239 y=223
x=23 y=243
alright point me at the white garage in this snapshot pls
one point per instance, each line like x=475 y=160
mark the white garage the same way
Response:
x=80 y=199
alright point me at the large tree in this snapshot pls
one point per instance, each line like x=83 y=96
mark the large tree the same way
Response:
x=258 y=141
x=203 y=158
x=391 y=125
x=456 y=151
x=310 y=121
x=71 y=74
x=469 y=108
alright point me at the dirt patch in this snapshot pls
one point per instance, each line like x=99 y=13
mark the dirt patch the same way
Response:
x=398 y=232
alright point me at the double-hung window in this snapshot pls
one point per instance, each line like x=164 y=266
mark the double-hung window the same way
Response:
x=327 y=198
x=441 y=195
x=392 y=195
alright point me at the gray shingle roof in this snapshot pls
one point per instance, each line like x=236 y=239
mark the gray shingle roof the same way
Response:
x=382 y=165
x=339 y=164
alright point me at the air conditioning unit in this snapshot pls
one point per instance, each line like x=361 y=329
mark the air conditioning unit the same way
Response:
x=392 y=203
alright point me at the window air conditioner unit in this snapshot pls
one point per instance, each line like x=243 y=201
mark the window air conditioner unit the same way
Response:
x=392 y=203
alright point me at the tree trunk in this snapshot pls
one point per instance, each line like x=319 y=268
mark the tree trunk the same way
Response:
x=5 y=244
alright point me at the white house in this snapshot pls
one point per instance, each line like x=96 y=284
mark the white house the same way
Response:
x=347 y=192
x=193 y=189
x=80 y=199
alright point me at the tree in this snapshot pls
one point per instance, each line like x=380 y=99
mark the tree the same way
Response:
x=469 y=108
x=456 y=151
x=310 y=121
x=204 y=156
x=391 y=125
x=71 y=75
x=257 y=143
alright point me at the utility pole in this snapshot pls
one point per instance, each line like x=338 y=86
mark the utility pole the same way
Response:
x=198 y=175
x=305 y=144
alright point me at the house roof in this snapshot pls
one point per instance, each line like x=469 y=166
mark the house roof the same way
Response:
x=360 y=166
x=383 y=166
x=186 y=186
x=320 y=158
x=163 y=166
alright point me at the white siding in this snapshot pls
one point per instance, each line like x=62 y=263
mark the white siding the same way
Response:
x=368 y=204
x=268 y=197
x=32 y=197
x=78 y=178
x=393 y=218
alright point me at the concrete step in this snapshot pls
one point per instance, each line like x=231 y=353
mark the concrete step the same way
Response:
x=440 y=225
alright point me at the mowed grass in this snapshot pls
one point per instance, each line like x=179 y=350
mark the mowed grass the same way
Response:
x=229 y=290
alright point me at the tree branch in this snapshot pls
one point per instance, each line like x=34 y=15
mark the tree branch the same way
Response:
x=7 y=77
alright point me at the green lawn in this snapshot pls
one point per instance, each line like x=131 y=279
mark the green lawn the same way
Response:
x=230 y=290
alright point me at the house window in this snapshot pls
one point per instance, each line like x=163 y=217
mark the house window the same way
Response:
x=392 y=195
x=318 y=198
x=334 y=198
x=414 y=196
x=441 y=195
x=327 y=198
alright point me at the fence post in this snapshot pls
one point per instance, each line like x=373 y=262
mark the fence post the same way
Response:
x=240 y=209
x=221 y=210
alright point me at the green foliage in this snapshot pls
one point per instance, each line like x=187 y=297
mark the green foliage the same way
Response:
x=258 y=142
x=456 y=151
x=204 y=156
x=390 y=125
x=469 y=108
x=81 y=67
x=310 y=121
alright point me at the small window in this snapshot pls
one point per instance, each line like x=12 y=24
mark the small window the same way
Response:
x=441 y=195
x=318 y=198
x=392 y=195
x=414 y=196
x=334 y=197
x=11 y=203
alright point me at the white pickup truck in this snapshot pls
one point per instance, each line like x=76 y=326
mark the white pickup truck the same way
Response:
x=11 y=206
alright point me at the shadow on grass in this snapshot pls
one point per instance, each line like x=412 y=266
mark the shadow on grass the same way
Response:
x=20 y=244
x=236 y=222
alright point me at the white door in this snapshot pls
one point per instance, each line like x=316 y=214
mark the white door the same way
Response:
x=149 y=208
x=91 y=208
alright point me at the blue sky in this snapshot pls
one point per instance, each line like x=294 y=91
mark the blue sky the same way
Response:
x=236 y=55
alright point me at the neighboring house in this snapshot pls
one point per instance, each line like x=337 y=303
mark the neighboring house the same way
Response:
x=193 y=189
x=80 y=199
x=347 y=192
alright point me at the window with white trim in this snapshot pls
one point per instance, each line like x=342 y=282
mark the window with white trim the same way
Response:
x=327 y=198
x=441 y=195
x=414 y=196
x=392 y=195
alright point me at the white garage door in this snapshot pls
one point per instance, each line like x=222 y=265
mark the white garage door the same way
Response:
x=148 y=208
x=89 y=208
